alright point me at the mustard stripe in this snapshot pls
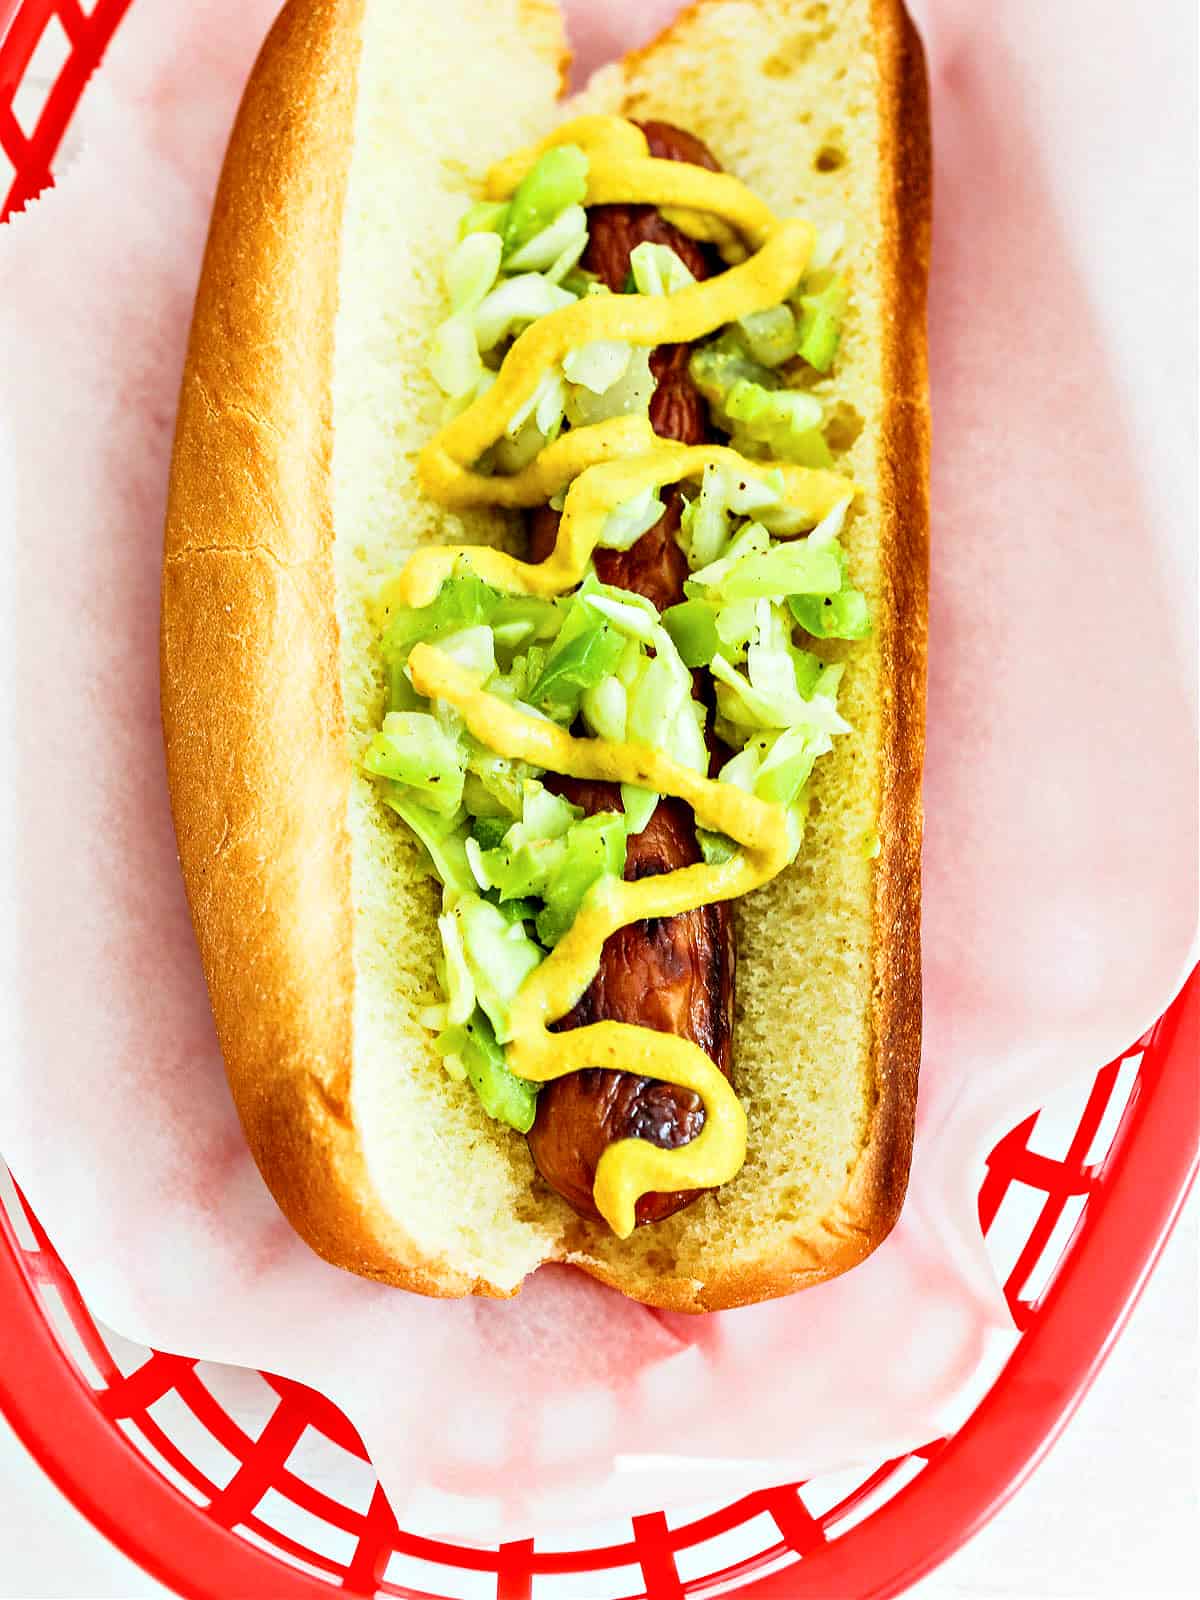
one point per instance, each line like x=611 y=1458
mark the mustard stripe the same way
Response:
x=596 y=135
x=673 y=183
x=810 y=493
x=620 y=168
x=445 y=478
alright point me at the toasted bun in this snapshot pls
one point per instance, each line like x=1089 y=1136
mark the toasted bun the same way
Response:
x=305 y=402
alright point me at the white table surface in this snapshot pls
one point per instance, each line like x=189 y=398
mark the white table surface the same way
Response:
x=1111 y=1514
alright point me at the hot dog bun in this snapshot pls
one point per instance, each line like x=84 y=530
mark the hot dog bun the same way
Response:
x=305 y=401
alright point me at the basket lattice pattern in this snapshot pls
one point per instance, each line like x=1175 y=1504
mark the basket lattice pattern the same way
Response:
x=272 y=1485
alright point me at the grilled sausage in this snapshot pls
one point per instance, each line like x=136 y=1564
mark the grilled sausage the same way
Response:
x=614 y=231
x=674 y=974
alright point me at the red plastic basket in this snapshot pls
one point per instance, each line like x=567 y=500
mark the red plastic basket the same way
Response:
x=1076 y=1203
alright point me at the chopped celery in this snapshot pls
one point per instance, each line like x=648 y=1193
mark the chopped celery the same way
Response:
x=500 y=956
x=631 y=620
x=751 y=402
x=785 y=422
x=473 y=648
x=454 y=360
x=806 y=447
x=591 y=586
x=627 y=522
x=736 y=624
x=598 y=365
x=517 y=870
x=770 y=336
x=446 y=848
x=413 y=749
x=786 y=569
x=821 y=324
x=543 y=252
x=832 y=616
x=553 y=854
x=603 y=708
x=716 y=366
x=515 y=302
x=639 y=806
x=716 y=848
x=808 y=669
x=581 y=656
x=629 y=395
x=741 y=704
x=693 y=627
x=459 y=985
x=706 y=581
x=580 y=282
x=519 y=910
x=489 y=831
x=543 y=815
x=486 y=217
x=501 y=1093
x=401 y=694
x=829 y=682
x=516 y=860
x=471 y=269
x=530 y=665
x=657 y=269
x=501 y=778
x=557 y=180
x=463 y=601
x=538 y=618
x=595 y=848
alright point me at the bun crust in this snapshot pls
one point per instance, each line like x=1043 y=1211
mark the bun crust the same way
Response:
x=259 y=730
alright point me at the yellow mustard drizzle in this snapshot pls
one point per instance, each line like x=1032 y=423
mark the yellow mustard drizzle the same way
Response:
x=599 y=136
x=810 y=492
x=628 y=1168
x=648 y=320
x=600 y=466
x=710 y=206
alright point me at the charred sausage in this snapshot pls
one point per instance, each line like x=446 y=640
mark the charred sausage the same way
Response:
x=675 y=974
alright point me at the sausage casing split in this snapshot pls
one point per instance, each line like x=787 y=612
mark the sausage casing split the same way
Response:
x=673 y=974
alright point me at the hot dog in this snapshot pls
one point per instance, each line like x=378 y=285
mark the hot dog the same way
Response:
x=471 y=820
x=676 y=975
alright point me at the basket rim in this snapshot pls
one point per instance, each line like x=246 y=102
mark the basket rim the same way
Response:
x=1131 y=1214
